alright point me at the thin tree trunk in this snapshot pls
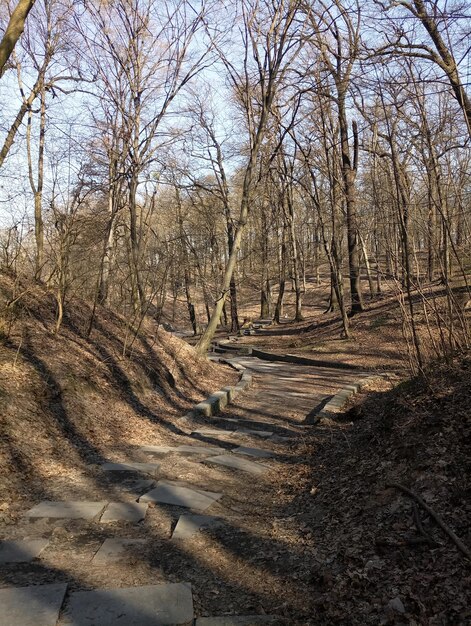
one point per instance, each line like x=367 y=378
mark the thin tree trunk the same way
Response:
x=25 y=107
x=282 y=280
x=137 y=290
x=367 y=265
x=37 y=186
x=349 y=170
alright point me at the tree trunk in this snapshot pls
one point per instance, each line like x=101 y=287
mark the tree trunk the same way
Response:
x=298 y=316
x=349 y=175
x=14 y=31
x=37 y=186
x=206 y=338
x=235 y=325
x=137 y=290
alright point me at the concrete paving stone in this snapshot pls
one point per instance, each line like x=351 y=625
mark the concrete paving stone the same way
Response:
x=212 y=494
x=116 y=549
x=234 y=420
x=150 y=605
x=212 y=431
x=190 y=497
x=281 y=438
x=264 y=434
x=124 y=512
x=242 y=385
x=31 y=606
x=145 y=468
x=216 y=402
x=67 y=509
x=256 y=452
x=204 y=408
x=136 y=487
x=353 y=388
x=189 y=525
x=21 y=551
x=234 y=462
x=199 y=449
x=231 y=391
x=157 y=449
x=236 y=620
x=221 y=397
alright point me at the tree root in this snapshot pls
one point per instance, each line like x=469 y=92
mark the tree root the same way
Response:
x=456 y=540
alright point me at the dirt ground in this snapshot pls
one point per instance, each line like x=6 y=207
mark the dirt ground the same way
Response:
x=320 y=539
x=370 y=551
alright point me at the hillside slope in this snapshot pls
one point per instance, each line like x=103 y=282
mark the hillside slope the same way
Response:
x=379 y=557
x=68 y=400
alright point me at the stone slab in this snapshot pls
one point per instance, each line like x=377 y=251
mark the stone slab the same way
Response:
x=236 y=620
x=157 y=449
x=234 y=462
x=31 y=606
x=256 y=452
x=263 y=434
x=212 y=431
x=145 y=468
x=150 y=605
x=21 y=551
x=221 y=398
x=282 y=438
x=179 y=495
x=212 y=494
x=354 y=388
x=212 y=405
x=124 y=512
x=189 y=525
x=232 y=392
x=204 y=408
x=67 y=509
x=199 y=449
x=242 y=385
x=114 y=550
x=136 y=487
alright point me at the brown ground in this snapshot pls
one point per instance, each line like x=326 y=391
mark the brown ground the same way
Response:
x=67 y=401
x=377 y=339
x=362 y=533
x=318 y=540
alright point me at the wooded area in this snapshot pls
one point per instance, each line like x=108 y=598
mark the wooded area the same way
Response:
x=162 y=149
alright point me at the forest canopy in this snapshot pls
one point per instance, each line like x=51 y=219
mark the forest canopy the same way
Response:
x=166 y=148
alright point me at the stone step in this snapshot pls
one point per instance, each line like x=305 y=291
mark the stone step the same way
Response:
x=255 y=452
x=67 y=509
x=151 y=605
x=117 y=549
x=189 y=525
x=144 y=468
x=175 y=494
x=263 y=434
x=37 y=605
x=235 y=462
x=124 y=512
x=21 y=551
x=238 y=620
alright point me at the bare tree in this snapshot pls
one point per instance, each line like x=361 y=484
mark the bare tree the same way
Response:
x=143 y=59
x=433 y=15
x=336 y=36
x=14 y=31
x=270 y=36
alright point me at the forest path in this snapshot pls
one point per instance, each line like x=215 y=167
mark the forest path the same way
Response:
x=204 y=525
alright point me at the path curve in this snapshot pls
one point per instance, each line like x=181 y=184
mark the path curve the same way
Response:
x=194 y=530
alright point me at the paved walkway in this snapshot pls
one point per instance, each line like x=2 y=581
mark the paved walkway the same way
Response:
x=179 y=531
